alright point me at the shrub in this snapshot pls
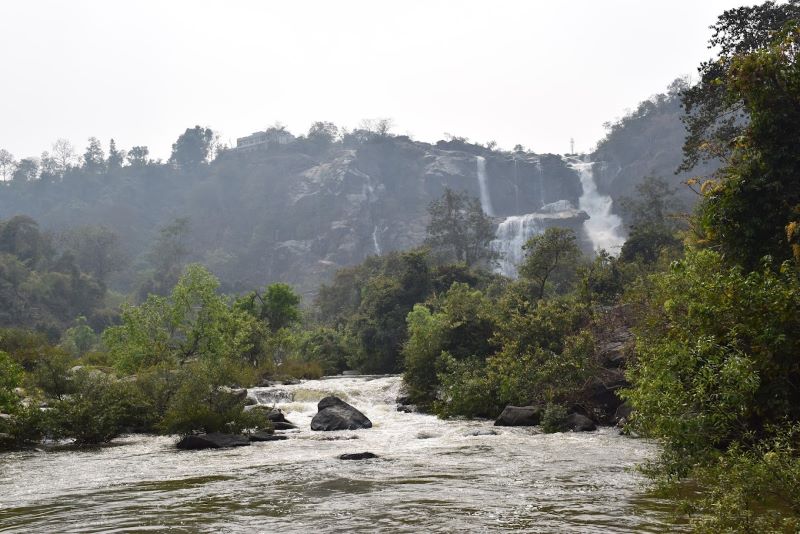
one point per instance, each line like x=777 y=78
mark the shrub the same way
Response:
x=465 y=389
x=554 y=418
x=199 y=404
x=99 y=409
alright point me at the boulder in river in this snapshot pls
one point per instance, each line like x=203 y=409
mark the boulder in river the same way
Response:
x=579 y=423
x=358 y=456
x=265 y=436
x=213 y=440
x=335 y=414
x=520 y=416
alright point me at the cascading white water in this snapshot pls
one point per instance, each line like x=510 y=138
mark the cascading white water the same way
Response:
x=541 y=181
x=483 y=184
x=375 y=243
x=511 y=235
x=603 y=226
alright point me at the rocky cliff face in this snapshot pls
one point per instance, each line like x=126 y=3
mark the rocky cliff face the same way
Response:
x=373 y=199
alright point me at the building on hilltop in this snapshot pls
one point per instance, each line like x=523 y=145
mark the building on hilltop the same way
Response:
x=263 y=140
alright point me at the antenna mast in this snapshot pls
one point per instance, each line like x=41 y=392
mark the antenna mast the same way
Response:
x=571 y=145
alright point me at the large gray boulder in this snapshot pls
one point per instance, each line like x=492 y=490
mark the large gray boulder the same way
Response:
x=213 y=440
x=335 y=414
x=520 y=416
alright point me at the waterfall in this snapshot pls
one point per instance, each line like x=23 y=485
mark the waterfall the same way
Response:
x=603 y=227
x=541 y=181
x=511 y=234
x=483 y=183
x=376 y=244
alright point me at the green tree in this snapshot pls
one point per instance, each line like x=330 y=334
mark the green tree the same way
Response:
x=7 y=164
x=194 y=322
x=278 y=307
x=138 y=156
x=94 y=160
x=459 y=228
x=716 y=113
x=27 y=170
x=10 y=378
x=750 y=210
x=115 y=157
x=97 y=250
x=551 y=257
x=167 y=257
x=192 y=148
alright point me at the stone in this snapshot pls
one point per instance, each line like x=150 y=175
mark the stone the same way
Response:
x=213 y=440
x=358 y=456
x=520 y=416
x=265 y=436
x=335 y=414
x=283 y=425
x=579 y=423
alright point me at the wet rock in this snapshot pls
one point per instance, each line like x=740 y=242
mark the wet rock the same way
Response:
x=579 y=423
x=213 y=440
x=358 y=456
x=426 y=435
x=250 y=401
x=335 y=414
x=404 y=400
x=265 y=436
x=407 y=409
x=623 y=413
x=601 y=395
x=283 y=425
x=520 y=416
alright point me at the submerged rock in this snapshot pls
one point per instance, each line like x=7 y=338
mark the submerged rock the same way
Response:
x=335 y=414
x=520 y=416
x=358 y=456
x=213 y=440
x=265 y=436
x=482 y=432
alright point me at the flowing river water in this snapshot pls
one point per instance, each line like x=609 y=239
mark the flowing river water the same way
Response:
x=431 y=476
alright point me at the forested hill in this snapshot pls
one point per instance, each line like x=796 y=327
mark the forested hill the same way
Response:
x=299 y=210
x=647 y=141
x=294 y=212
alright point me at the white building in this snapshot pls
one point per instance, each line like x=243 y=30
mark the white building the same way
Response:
x=263 y=140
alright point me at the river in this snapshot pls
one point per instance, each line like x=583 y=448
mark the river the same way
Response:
x=431 y=476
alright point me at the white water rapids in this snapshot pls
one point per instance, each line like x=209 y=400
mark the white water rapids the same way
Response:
x=431 y=475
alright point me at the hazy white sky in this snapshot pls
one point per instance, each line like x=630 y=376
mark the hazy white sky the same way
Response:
x=532 y=72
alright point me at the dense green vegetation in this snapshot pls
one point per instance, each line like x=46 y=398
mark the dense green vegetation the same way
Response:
x=712 y=301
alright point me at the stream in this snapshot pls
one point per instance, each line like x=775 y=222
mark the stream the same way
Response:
x=432 y=475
